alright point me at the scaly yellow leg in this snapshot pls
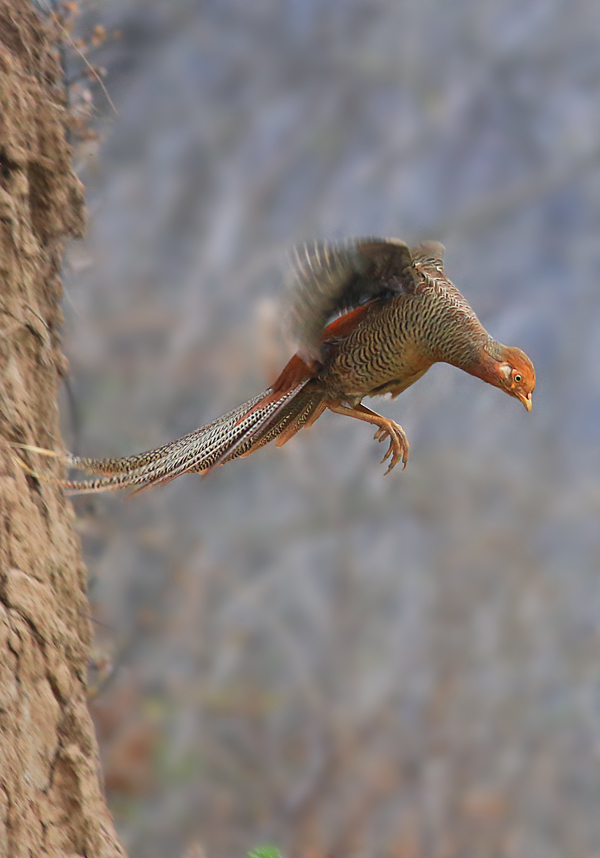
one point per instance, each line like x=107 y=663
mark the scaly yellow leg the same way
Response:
x=399 y=446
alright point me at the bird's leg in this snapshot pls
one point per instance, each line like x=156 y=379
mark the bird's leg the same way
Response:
x=398 y=448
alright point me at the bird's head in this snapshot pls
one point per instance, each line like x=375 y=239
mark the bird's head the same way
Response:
x=515 y=375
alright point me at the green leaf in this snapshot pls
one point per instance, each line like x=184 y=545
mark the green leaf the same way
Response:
x=265 y=852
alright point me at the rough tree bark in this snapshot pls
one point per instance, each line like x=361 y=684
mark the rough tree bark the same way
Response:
x=51 y=801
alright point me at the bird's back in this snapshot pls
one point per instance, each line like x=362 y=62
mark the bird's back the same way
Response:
x=398 y=339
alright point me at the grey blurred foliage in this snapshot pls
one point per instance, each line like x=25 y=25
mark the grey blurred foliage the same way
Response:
x=298 y=650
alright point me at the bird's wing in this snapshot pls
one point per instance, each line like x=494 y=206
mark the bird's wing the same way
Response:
x=429 y=253
x=330 y=279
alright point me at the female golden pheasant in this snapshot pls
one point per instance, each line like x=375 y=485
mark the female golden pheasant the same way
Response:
x=397 y=314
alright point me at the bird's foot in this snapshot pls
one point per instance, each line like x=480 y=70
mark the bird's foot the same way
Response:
x=399 y=445
x=398 y=448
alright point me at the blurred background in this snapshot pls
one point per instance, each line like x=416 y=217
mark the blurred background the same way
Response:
x=296 y=649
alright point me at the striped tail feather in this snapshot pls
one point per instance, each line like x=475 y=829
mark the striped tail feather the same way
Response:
x=144 y=461
x=238 y=433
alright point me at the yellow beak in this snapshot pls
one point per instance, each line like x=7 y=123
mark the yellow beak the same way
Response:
x=527 y=401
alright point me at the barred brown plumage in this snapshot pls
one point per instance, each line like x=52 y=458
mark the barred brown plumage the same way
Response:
x=399 y=315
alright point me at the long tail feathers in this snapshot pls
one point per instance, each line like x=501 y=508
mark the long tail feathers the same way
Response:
x=240 y=432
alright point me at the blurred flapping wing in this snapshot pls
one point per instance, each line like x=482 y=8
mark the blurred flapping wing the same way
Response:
x=330 y=279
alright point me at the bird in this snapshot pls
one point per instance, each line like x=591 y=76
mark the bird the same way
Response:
x=370 y=317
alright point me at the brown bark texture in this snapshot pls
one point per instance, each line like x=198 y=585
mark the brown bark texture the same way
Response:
x=51 y=799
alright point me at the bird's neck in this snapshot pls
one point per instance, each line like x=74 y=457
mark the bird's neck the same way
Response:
x=484 y=363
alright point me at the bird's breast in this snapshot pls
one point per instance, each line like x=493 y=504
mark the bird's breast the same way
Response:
x=385 y=353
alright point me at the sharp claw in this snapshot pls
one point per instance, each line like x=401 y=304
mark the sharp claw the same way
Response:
x=391 y=466
x=398 y=446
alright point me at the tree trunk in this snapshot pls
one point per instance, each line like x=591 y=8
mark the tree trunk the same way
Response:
x=51 y=801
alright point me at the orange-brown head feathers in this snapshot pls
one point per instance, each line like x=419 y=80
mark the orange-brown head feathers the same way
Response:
x=505 y=367
x=515 y=375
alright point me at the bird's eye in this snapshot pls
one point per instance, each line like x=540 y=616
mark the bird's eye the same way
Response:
x=518 y=378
